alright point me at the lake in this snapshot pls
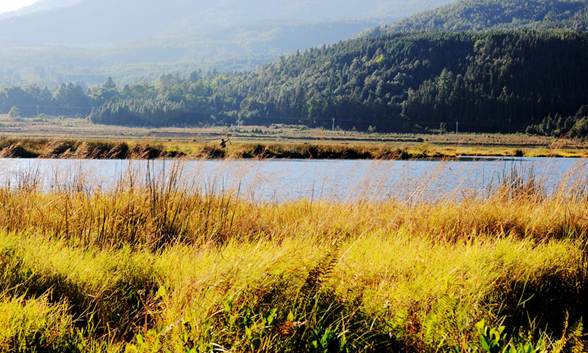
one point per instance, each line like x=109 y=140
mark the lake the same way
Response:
x=282 y=180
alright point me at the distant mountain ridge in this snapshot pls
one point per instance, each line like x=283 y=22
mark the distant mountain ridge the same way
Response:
x=88 y=40
x=42 y=5
x=119 y=21
x=132 y=40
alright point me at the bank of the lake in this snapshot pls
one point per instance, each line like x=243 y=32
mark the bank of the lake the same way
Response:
x=436 y=148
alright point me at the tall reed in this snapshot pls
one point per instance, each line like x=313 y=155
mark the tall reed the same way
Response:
x=154 y=264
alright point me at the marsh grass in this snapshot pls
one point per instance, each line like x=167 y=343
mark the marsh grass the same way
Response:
x=33 y=323
x=379 y=147
x=152 y=264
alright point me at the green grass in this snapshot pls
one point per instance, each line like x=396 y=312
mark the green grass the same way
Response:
x=156 y=267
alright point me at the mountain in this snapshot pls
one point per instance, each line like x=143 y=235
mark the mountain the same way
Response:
x=481 y=15
x=118 y=21
x=42 y=5
x=92 y=39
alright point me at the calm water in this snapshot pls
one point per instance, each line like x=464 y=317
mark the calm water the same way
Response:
x=280 y=180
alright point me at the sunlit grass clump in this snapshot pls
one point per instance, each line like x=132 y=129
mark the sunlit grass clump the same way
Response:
x=151 y=265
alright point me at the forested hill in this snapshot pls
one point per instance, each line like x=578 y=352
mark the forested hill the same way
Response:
x=486 y=81
x=493 y=81
x=500 y=14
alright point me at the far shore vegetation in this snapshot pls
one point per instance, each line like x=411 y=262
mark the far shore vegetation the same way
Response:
x=51 y=137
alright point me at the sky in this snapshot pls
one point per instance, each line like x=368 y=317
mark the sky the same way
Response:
x=11 y=5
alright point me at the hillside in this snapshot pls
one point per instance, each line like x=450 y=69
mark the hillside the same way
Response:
x=500 y=14
x=497 y=81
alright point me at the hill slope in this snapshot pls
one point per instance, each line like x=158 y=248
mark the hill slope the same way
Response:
x=495 y=81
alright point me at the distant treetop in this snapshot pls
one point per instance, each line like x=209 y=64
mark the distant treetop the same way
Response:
x=479 y=15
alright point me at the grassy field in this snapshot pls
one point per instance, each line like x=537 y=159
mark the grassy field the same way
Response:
x=149 y=266
x=39 y=136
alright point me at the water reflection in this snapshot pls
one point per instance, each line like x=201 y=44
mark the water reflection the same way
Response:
x=282 y=180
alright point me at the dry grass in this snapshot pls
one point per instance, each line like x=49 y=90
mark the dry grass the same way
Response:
x=150 y=266
x=288 y=141
x=113 y=149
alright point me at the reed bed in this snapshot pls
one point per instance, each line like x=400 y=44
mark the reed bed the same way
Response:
x=373 y=148
x=151 y=265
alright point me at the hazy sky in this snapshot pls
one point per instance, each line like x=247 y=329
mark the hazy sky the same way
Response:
x=11 y=5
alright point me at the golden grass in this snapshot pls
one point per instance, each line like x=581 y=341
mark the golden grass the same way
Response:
x=281 y=141
x=150 y=267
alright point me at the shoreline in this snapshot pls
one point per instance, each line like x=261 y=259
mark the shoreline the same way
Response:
x=110 y=149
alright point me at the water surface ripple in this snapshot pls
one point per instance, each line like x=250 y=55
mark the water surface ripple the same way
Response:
x=283 y=180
